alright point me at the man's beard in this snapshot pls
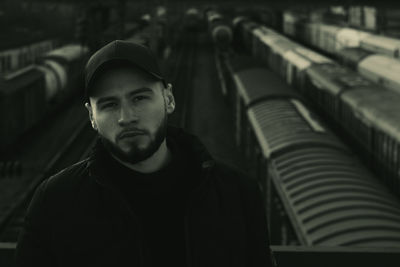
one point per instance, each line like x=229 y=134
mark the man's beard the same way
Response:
x=136 y=155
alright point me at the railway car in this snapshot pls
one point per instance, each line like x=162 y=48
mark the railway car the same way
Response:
x=20 y=57
x=381 y=45
x=335 y=41
x=284 y=56
x=62 y=68
x=193 y=19
x=242 y=69
x=317 y=192
x=327 y=40
x=373 y=117
x=29 y=94
x=22 y=102
x=220 y=29
x=242 y=29
x=290 y=21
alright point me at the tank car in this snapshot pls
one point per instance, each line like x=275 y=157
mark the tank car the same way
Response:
x=29 y=94
x=220 y=29
x=242 y=29
x=22 y=103
x=193 y=19
x=62 y=68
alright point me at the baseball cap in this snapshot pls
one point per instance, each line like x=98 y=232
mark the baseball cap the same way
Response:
x=138 y=55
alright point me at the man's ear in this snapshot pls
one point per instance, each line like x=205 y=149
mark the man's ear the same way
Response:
x=90 y=110
x=170 y=100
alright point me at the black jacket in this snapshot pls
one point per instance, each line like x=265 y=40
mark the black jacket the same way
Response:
x=79 y=218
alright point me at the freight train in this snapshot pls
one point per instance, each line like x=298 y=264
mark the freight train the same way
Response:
x=29 y=93
x=317 y=192
x=364 y=111
x=375 y=57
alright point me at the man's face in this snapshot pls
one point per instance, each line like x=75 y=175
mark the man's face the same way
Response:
x=129 y=111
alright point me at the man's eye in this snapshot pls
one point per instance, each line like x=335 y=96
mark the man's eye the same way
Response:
x=139 y=98
x=109 y=105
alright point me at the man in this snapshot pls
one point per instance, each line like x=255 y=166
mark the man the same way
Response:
x=150 y=194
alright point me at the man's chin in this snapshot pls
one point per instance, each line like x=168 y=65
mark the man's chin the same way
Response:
x=130 y=152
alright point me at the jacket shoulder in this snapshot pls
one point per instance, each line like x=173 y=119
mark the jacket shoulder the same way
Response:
x=67 y=178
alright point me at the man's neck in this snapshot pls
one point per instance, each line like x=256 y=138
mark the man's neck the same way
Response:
x=155 y=162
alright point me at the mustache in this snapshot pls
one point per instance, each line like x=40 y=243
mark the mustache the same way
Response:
x=130 y=132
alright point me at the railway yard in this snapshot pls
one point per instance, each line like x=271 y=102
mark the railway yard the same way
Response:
x=305 y=101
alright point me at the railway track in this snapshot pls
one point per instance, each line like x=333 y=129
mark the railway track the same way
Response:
x=180 y=75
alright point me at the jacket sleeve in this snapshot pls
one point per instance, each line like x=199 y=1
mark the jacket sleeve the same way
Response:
x=33 y=248
x=258 y=252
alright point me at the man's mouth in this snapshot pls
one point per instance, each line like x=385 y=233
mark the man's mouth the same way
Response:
x=129 y=134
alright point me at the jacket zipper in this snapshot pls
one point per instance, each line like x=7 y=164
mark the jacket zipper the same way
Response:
x=188 y=255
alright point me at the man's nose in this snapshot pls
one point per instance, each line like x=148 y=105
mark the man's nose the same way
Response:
x=128 y=114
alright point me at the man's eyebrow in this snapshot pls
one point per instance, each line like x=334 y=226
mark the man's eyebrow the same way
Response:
x=130 y=94
x=105 y=99
x=140 y=90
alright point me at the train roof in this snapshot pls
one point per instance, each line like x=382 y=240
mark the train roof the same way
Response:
x=311 y=55
x=376 y=107
x=336 y=79
x=331 y=29
x=382 y=69
x=238 y=20
x=281 y=46
x=381 y=44
x=295 y=59
x=260 y=84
